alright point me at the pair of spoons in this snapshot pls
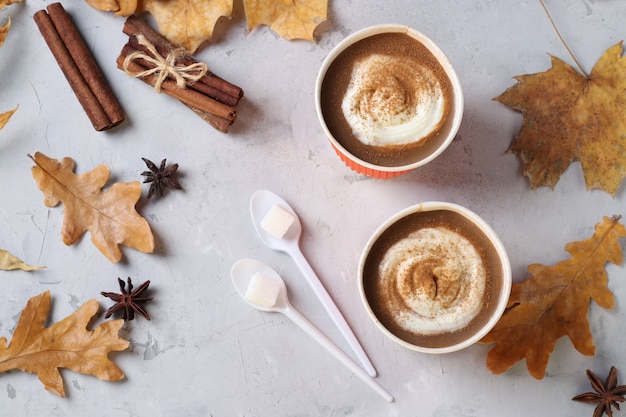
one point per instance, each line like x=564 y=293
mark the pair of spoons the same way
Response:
x=244 y=270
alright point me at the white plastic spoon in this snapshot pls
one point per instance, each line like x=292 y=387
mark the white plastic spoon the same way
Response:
x=265 y=290
x=261 y=203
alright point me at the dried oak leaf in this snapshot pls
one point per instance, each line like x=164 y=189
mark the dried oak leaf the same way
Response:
x=568 y=117
x=66 y=344
x=109 y=216
x=554 y=301
x=9 y=262
x=291 y=20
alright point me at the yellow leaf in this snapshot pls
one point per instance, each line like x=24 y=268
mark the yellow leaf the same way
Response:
x=109 y=216
x=569 y=117
x=5 y=117
x=188 y=23
x=120 y=7
x=4 y=31
x=66 y=344
x=290 y=19
x=9 y=262
x=553 y=303
x=4 y=3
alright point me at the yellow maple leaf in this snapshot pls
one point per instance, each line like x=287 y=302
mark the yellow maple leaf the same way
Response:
x=569 y=117
x=290 y=19
x=109 y=216
x=553 y=303
x=66 y=344
x=188 y=23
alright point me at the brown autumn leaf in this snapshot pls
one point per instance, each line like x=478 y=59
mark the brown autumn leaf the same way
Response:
x=570 y=117
x=190 y=23
x=291 y=20
x=9 y=262
x=109 y=216
x=66 y=344
x=554 y=301
x=4 y=31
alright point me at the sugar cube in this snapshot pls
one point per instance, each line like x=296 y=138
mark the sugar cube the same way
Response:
x=277 y=221
x=263 y=290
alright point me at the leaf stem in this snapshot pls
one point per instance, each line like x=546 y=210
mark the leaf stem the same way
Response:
x=545 y=9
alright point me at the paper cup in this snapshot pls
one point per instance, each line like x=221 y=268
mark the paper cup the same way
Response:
x=429 y=150
x=495 y=260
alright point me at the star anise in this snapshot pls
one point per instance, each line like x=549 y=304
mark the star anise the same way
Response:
x=161 y=177
x=128 y=301
x=607 y=395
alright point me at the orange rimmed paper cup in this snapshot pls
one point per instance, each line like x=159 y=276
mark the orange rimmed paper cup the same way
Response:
x=427 y=152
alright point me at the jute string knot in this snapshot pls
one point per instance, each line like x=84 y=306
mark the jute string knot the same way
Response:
x=165 y=66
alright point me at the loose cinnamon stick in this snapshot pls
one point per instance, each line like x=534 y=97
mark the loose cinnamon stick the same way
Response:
x=79 y=67
x=83 y=57
x=135 y=26
x=188 y=96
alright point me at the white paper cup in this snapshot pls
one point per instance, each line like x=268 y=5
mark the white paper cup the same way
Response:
x=429 y=150
x=498 y=292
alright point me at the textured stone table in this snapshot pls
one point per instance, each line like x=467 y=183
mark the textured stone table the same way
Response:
x=206 y=352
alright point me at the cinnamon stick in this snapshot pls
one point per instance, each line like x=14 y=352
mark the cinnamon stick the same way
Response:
x=134 y=26
x=79 y=67
x=217 y=122
x=187 y=96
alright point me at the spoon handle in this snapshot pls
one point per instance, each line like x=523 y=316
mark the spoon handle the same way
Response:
x=332 y=310
x=339 y=354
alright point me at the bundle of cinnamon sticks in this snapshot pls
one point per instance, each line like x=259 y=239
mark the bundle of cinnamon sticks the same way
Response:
x=147 y=54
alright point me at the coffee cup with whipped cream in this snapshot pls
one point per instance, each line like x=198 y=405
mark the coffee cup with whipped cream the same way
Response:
x=435 y=277
x=388 y=100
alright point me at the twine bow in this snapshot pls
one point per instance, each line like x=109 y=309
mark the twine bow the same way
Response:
x=165 y=66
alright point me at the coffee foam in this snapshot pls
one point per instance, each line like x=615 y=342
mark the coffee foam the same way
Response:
x=434 y=279
x=393 y=101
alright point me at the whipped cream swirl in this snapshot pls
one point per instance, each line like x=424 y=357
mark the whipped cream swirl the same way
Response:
x=434 y=280
x=393 y=101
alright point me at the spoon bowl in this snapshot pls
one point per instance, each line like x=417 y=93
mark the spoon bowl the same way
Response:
x=242 y=273
x=260 y=204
